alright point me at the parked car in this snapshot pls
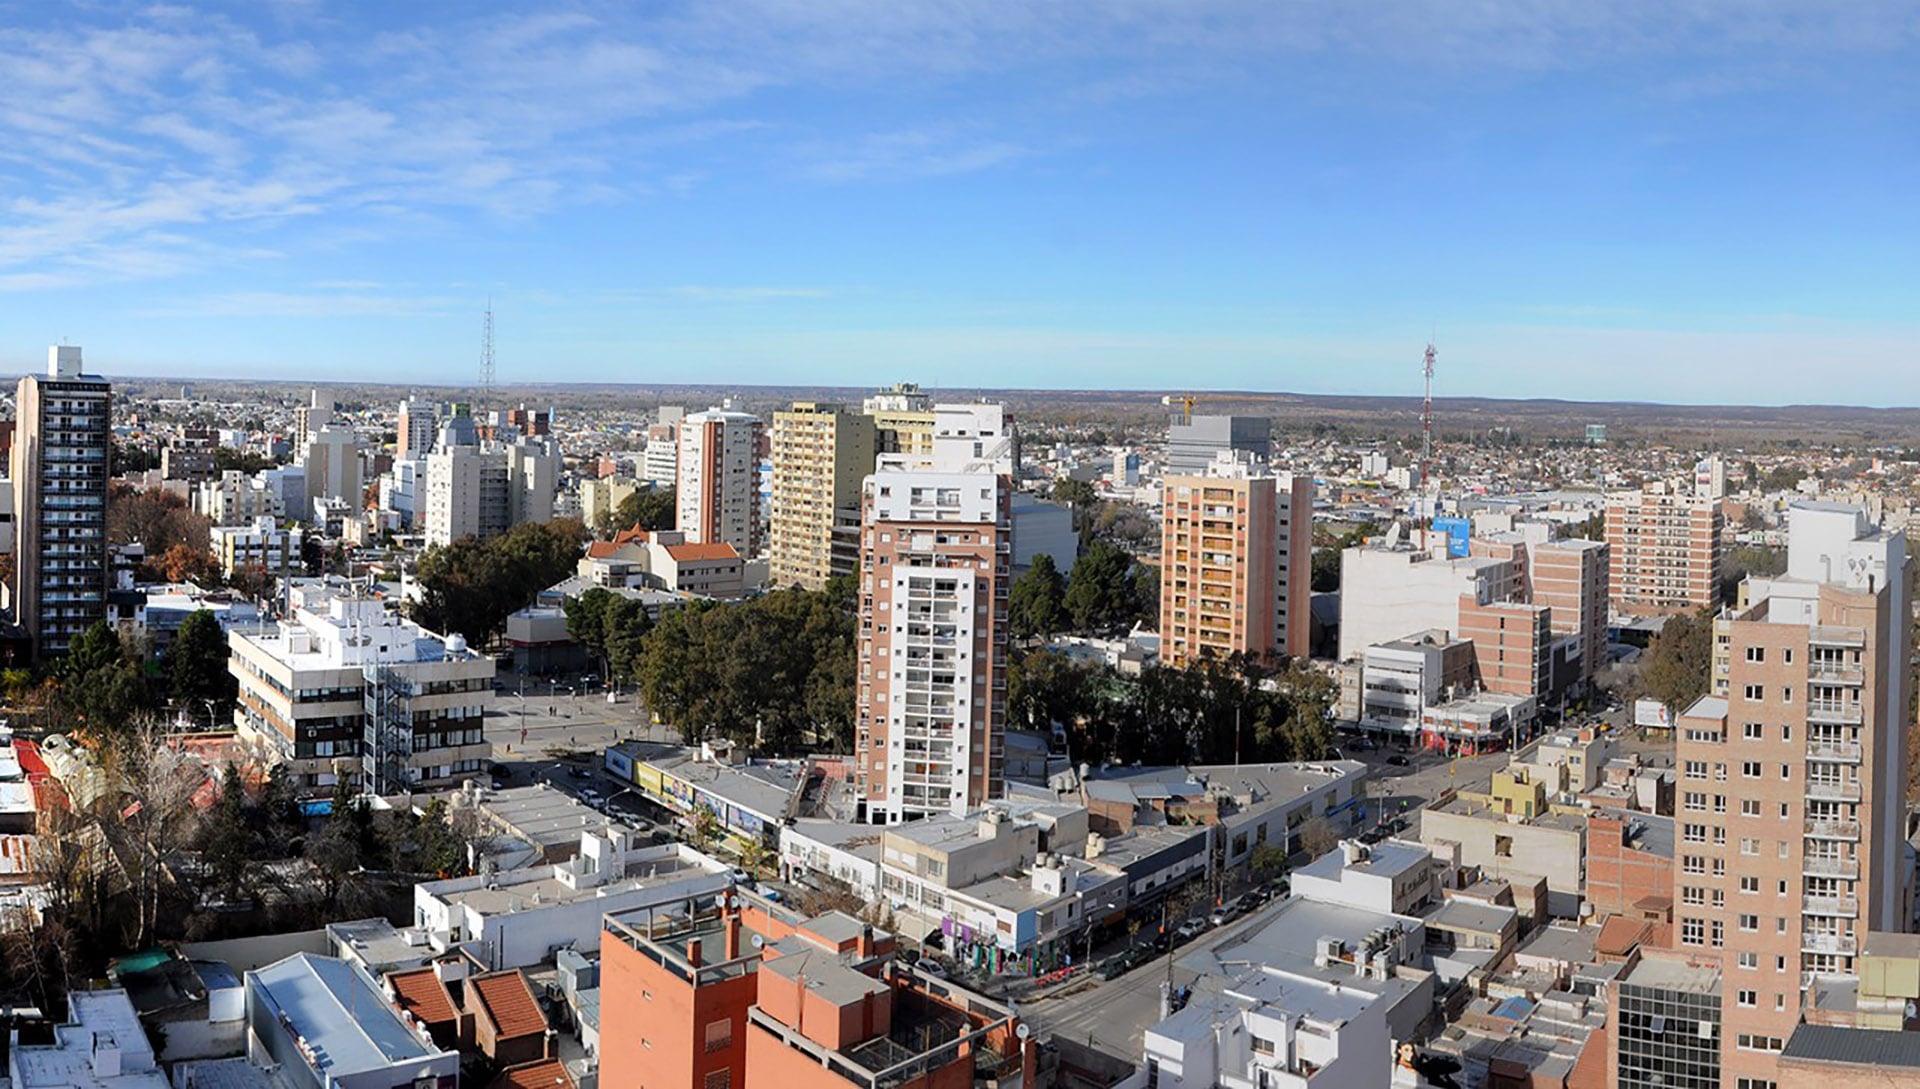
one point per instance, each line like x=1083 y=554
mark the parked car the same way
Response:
x=1190 y=929
x=590 y=796
x=931 y=967
x=773 y=895
x=1115 y=966
x=1398 y=760
x=741 y=877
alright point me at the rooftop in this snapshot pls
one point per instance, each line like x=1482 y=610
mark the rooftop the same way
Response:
x=1863 y=1047
x=765 y=789
x=541 y=815
x=508 y=1000
x=540 y=886
x=1668 y=974
x=341 y=1014
x=1471 y=915
x=824 y=973
x=1389 y=858
x=95 y=1018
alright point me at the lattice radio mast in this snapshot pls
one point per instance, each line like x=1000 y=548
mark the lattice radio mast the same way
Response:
x=486 y=356
x=1426 y=420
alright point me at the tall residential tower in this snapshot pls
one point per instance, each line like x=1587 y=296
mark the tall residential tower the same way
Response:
x=59 y=470
x=1235 y=543
x=717 y=493
x=821 y=454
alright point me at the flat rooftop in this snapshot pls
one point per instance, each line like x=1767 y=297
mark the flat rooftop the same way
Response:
x=341 y=1012
x=1388 y=858
x=1674 y=975
x=541 y=815
x=540 y=889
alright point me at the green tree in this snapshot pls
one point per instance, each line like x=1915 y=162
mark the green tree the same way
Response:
x=624 y=626
x=1325 y=578
x=1099 y=593
x=587 y=620
x=230 y=838
x=1267 y=860
x=91 y=651
x=197 y=662
x=1679 y=660
x=648 y=509
x=471 y=585
x=1036 y=605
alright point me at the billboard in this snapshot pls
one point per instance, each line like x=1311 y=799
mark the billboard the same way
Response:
x=1652 y=714
x=1458 y=531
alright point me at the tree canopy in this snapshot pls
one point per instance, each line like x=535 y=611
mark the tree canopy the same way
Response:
x=648 y=509
x=472 y=585
x=1037 y=603
x=1679 y=660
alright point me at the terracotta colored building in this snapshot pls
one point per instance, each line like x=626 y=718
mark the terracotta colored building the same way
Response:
x=734 y=991
x=1511 y=644
x=1235 y=560
x=1629 y=862
x=1570 y=578
x=1664 y=551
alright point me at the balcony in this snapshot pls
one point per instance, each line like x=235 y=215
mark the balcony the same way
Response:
x=1828 y=943
x=1823 y=866
x=1829 y=635
x=1848 y=906
x=1847 y=830
x=1835 y=791
x=1845 y=751
x=1844 y=713
x=1836 y=671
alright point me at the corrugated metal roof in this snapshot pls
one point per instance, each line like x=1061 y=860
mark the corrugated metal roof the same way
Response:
x=1869 y=1047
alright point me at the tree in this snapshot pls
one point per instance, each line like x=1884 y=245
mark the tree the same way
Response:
x=1325 y=578
x=1099 y=593
x=587 y=620
x=706 y=828
x=624 y=625
x=229 y=838
x=1079 y=495
x=1036 y=604
x=183 y=563
x=471 y=585
x=197 y=662
x=156 y=520
x=1318 y=836
x=1267 y=860
x=648 y=509
x=1679 y=661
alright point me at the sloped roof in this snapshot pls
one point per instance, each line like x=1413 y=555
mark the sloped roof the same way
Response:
x=712 y=550
x=509 y=1002
x=420 y=993
x=543 y=1074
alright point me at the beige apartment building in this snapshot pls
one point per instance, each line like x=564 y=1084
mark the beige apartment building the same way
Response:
x=346 y=688
x=1664 y=550
x=1235 y=547
x=821 y=454
x=1791 y=796
x=1570 y=578
x=902 y=420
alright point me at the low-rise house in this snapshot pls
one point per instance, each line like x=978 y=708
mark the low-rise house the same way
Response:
x=325 y=1023
x=100 y=1047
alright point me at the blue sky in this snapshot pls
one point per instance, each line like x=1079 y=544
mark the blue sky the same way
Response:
x=1690 y=200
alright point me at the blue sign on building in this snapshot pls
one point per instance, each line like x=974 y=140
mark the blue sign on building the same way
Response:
x=1458 y=531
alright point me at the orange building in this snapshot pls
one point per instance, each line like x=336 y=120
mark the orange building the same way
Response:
x=1629 y=863
x=734 y=991
x=1664 y=551
x=1235 y=560
x=1511 y=643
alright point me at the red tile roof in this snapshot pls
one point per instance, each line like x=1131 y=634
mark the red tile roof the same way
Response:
x=717 y=550
x=506 y=998
x=543 y=1074
x=420 y=993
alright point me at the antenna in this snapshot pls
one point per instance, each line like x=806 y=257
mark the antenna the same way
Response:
x=486 y=354
x=1426 y=420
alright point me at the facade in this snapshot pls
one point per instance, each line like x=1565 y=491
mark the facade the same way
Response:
x=236 y=499
x=660 y=461
x=417 y=423
x=1570 y=578
x=1194 y=442
x=1399 y=680
x=1511 y=642
x=1391 y=589
x=332 y=460
x=936 y=568
x=1629 y=862
x=466 y=495
x=718 y=489
x=1663 y=550
x=902 y=420
x=59 y=472
x=1664 y=1027
x=262 y=546
x=346 y=687
x=600 y=498
x=189 y=456
x=821 y=455
x=1234 y=562
x=1791 y=786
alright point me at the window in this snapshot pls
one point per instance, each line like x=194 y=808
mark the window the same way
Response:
x=1756 y=654
x=1786 y=694
x=1692 y=833
x=1693 y=864
x=720 y=1079
x=1779 y=1001
x=1692 y=931
x=1750 y=768
x=719 y=1035
x=1503 y=846
x=1696 y=801
x=1755 y=1083
x=1262 y=1046
x=1786 y=733
x=1752 y=732
x=1696 y=769
x=1784 y=812
x=1719 y=772
x=1719 y=867
x=1692 y=895
x=1783 y=886
x=1786 y=771
x=1718 y=934
x=1747 y=1041
x=1749 y=922
x=1755 y=693
x=1749 y=846
x=1750 y=884
x=1748 y=999
x=1749 y=807
x=1750 y=960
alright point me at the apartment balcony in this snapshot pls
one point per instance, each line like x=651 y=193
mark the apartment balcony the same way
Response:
x=1844 y=674
x=1847 y=906
x=1821 y=866
x=1844 y=751
x=1828 y=943
x=1833 y=791
x=1844 y=713
x=1846 y=830
x=1829 y=635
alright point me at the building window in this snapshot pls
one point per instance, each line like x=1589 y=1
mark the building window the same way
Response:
x=1750 y=960
x=1749 y=922
x=719 y=1035
x=1755 y=1083
x=1755 y=693
x=1749 y=807
x=1756 y=654
x=1748 y=998
x=1696 y=769
x=720 y=1079
x=1750 y=884
x=1752 y=731
x=1692 y=931
x=1750 y=768
x=1262 y=1046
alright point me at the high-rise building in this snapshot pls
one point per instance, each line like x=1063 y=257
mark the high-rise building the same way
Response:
x=1570 y=577
x=1664 y=550
x=418 y=421
x=1194 y=441
x=660 y=461
x=717 y=494
x=1234 y=561
x=936 y=556
x=1791 y=788
x=902 y=420
x=59 y=471
x=821 y=455
x=309 y=418
x=189 y=456
x=482 y=491
x=332 y=460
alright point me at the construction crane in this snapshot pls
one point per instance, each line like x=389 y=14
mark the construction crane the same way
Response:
x=1185 y=401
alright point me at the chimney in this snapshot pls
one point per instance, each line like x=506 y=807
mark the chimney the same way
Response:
x=863 y=948
x=693 y=952
x=733 y=935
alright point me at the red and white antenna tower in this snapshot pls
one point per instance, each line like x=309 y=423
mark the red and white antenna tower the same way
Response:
x=1426 y=422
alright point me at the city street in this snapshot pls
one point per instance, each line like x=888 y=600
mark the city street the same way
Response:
x=536 y=718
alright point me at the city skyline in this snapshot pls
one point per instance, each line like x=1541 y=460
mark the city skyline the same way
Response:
x=1642 y=203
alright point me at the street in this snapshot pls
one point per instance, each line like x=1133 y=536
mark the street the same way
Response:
x=535 y=718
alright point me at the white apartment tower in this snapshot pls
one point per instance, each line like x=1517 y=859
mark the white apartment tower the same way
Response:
x=936 y=554
x=717 y=492
x=59 y=474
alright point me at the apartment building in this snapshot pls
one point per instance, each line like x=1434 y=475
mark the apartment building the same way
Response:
x=902 y=420
x=262 y=546
x=1235 y=558
x=344 y=686
x=660 y=461
x=476 y=491
x=1569 y=577
x=1193 y=442
x=1511 y=644
x=936 y=556
x=718 y=491
x=821 y=455
x=1792 y=785
x=236 y=499
x=1663 y=550
x=1390 y=589
x=416 y=424
x=190 y=455
x=59 y=473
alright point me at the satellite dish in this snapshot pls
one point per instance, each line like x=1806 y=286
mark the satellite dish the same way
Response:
x=759 y=940
x=1023 y=1031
